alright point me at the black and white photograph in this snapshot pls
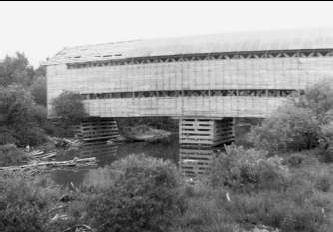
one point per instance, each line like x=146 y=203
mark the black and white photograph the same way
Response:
x=175 y=116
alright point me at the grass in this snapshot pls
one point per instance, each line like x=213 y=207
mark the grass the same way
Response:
x=302 y=202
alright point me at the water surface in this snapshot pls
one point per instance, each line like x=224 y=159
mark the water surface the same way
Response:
x=108 y=153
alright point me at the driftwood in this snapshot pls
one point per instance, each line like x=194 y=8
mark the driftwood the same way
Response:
x=76 y=162
x=41 y=155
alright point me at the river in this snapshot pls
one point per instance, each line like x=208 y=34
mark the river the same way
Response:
x=107 y=153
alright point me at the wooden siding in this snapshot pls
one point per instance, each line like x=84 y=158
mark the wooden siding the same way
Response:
x=271 y=73
x=184 y=106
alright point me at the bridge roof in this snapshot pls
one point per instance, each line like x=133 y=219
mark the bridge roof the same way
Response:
x=228 y=42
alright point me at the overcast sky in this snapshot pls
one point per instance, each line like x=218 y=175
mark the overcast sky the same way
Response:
x=41 y=29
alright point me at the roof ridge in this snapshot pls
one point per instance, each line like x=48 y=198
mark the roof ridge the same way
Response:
x=284 y=39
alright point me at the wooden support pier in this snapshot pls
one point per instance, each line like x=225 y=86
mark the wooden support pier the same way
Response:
x=96 y=129
x=205 y=132
x=198 y=138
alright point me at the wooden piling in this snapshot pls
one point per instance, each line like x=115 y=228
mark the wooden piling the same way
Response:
x=197 y=139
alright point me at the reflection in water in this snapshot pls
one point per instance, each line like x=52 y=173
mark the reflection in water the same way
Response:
x=105 y=153
x=108 y=153
x=195 y=161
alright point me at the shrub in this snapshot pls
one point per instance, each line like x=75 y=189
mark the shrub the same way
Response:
x=295 y=160
x=38 y=90
x=245 y=170
x=290 y=128
x=323 y=183
x=327 y=141
x=6 y=136
x=145 y=197
x=69 y=107
x=24 y=205
x=203 y=214
x=11 y=155
x=30 y=135
x=318 y=98
x=296 y=124
x=99 y=179
x=18 y=117
x=278 y=210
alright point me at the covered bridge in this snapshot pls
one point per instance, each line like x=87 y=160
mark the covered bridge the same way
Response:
x=200 y=79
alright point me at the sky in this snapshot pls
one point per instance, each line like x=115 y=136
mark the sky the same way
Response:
x=41 y=29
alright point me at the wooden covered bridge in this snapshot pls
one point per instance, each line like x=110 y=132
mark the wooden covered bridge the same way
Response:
x=205 y=81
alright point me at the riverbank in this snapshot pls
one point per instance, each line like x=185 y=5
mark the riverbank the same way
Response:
x=143 y=133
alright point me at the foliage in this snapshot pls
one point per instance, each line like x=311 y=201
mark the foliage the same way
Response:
x=139 y=193
x=19 y=116
x=24 y=205
x=10 y=155
x=6 y=136
x=318 y=98
x=68 y=106
x=16 y=70
x=290 y=212
x=144 y=197
x=245 y=170
x=289 y=128
x=295 y=160
x=327 y=141
x=297 y=124
x=38 y=90
x=290 y=200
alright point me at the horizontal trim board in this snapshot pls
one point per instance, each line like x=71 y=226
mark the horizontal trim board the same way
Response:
x=270 y=54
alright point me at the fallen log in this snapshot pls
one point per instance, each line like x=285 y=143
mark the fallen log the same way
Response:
x=76 y=162
x=35 y=153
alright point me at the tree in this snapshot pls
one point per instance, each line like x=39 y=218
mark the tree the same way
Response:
x=18 y=117
x=144 y=196
x=297 y=124
x=327 y=141
x=16 y=70
x=38 y=90
x=69 y=110
x=319 y=99
x=69 y=107
x=290 y=128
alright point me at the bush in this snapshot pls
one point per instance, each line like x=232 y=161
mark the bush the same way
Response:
x=203 y=214
x=295 y=160
x=6 y=136
x=144 y=197
x=38 y=90
x=318 y=98
x=327 y=142
x=246 y=170
x=10 y=155
x=69 y=110
x=24 y=205
x=289 y=129
x=296 y=125
x=323 y=183
x=278 y=210
x=18 y=117
x=69 y=107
